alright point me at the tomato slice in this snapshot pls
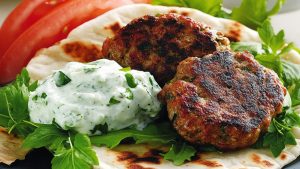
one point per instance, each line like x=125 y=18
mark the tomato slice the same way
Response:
x=22 y=17
x=50 y=29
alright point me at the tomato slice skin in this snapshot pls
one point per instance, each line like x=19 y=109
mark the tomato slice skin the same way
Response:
x=22 y=17
x=50 y=29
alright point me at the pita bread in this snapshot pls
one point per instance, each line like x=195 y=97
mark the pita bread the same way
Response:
x=10 y=148
x=87 y=39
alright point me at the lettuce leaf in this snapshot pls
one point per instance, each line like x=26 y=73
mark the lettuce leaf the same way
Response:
x=179 y=153
x=161 y=133
x=158 y=133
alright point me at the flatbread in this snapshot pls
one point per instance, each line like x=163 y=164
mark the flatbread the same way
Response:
x=10 y=148
x=84 y=44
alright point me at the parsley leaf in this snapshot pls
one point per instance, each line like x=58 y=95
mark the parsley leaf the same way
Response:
x=212 y=7
x=254 y=13
x=269 y=38
x=179 y=153
x=274 y=47
x=14 y=105
x=78 y=154
x=279 y=132
x=159 y=133
x=44 y=136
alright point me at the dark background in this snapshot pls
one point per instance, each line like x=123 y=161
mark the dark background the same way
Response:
x=37 y=159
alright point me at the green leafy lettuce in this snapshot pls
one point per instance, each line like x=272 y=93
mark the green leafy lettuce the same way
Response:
x=179 y=153
x=159 y=133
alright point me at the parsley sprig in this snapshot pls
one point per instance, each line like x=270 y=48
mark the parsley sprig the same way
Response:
x=254 y=13
x=279 y=132
x=14 y=106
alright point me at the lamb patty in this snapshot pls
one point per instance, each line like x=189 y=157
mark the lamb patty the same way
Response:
x=224 y=99
x=158 y=44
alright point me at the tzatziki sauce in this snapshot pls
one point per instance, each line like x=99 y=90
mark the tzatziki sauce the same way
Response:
x=96 y=97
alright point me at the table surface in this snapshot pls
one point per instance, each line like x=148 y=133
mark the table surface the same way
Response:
x=41 y=158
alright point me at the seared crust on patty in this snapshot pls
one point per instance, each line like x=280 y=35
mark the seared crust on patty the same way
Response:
x=158 y=44
x=224 y=99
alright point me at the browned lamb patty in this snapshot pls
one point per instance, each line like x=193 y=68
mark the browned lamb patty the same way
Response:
x=158 y=44
x=224 y=99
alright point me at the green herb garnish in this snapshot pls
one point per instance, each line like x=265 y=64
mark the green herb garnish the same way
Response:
x=44 y=95
x=125 y=69
x=254 y=13
x=179 y=153
x=71 y=151
x=279 y=132
x=113 y=101
x=130 y=80
x=129 y=94
x=151 y=81
x=61 y=79
x=14 y=114
x=89 y=70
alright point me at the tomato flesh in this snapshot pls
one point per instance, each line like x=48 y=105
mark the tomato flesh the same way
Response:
x=23 y=16
x=50 y=29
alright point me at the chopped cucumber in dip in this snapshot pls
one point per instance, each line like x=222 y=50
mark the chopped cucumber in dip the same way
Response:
x=95 y=98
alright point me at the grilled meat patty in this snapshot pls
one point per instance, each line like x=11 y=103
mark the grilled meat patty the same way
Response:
x=224 y=99
x=158 y=44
